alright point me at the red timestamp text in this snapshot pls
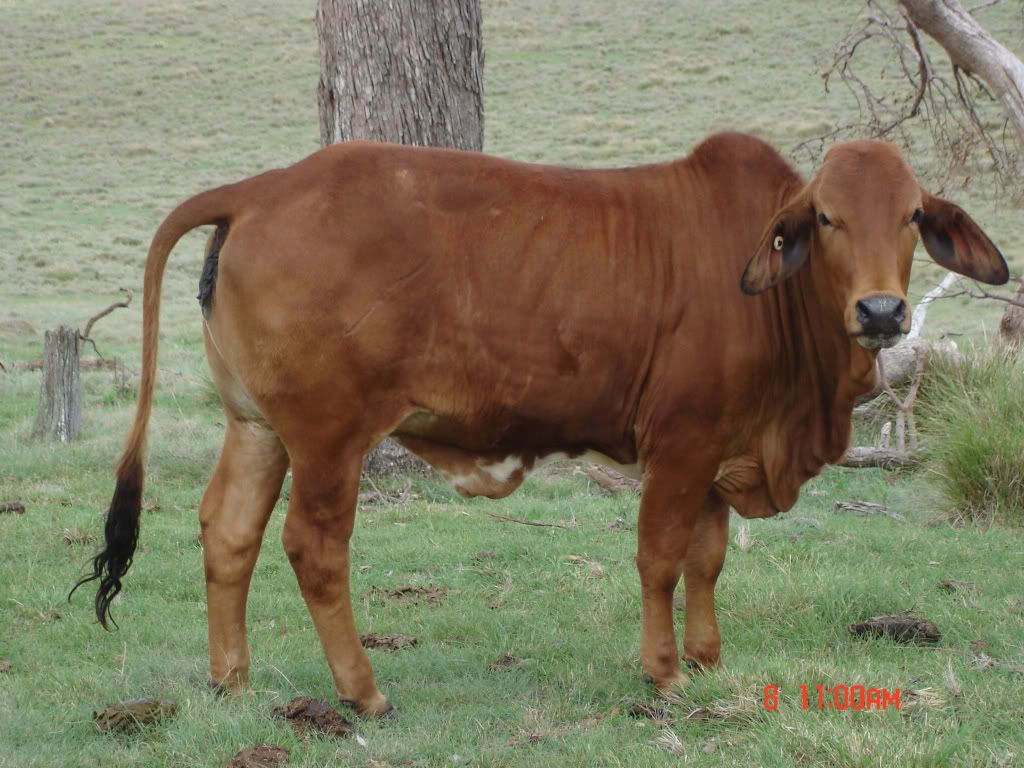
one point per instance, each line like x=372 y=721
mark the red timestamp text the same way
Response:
x=857 y=698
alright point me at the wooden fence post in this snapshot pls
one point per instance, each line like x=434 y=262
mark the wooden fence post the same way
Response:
x=60 y=393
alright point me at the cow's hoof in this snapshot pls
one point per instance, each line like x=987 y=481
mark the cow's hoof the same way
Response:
x=696 y=665
x=223 y=688
x=377 y=706
x=669 y=684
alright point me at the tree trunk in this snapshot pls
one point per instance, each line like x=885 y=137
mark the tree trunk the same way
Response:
x=1011 y=327
x=973 y=49
x=405 y=71
x=60 y=394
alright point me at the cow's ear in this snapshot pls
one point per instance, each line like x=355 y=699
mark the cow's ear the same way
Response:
x=953 y=240
x=784 y=247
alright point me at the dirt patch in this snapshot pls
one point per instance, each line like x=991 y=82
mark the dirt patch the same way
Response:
x=508 y=661
x=260 y=756
x=432 y=595
x=953 y=586
x=16 y=328
x=903 y=629
x=386 y=642
x=315 y=716
x=73 y=536
x=648 y=710
x=5 y=666
x=128 y=716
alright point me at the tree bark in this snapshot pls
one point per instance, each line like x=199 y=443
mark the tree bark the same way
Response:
x=60 y=394
x=1011 y=327
x=973 y=49
x=404 y=71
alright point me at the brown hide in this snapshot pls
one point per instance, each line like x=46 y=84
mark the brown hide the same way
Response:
x=501 y=309
x=491 y=314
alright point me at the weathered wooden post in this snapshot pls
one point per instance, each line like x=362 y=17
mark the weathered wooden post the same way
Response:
x=60 y=393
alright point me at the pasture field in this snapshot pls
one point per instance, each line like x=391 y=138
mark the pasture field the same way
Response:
x=110 y=112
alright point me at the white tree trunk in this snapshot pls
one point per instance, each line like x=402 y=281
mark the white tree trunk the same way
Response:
x=971 y=48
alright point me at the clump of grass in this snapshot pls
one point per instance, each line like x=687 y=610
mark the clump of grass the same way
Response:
x=973 y=415
x=209 y=395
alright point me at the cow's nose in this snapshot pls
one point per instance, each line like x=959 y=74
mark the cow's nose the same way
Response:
x=881 y=315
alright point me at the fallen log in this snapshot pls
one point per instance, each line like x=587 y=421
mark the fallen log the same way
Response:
x=864 y=456
x=900 y=361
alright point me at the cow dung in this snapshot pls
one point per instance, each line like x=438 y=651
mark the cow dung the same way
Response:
x=644 y=710
x=432 y=595
x=505 y=662
x=127 y=716
x=374 y=641
x=260 y=756
x=316 y=716
x=903 y=629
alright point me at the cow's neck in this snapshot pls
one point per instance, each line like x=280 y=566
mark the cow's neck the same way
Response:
x=822 y=372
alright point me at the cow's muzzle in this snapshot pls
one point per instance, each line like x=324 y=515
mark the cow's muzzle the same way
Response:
x=882 y=319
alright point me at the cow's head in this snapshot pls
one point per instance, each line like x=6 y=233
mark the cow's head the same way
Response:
x=859 y=220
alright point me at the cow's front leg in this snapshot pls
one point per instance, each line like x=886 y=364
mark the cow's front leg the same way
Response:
x=704 y=558
x=669 y=508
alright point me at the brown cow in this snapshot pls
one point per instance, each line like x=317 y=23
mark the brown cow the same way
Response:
x=489 y=314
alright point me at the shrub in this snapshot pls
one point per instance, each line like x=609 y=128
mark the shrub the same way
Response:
x=972 y=417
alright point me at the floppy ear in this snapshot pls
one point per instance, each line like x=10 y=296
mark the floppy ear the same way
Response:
x=784 y=247
x=953 y=240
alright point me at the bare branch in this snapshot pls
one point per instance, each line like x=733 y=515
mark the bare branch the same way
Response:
x=100 y=315
x=987 y=4
x=84 y=337
x=949 y=107
x=921 y=310
x=503 y=519
x=981 y=293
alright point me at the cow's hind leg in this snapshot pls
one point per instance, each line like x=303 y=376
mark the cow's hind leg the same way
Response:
x=321 y=516
x=705 y=556
x=233 y=515
x=668 y=512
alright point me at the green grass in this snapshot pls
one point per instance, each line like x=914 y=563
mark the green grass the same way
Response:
x=974 y=416
x=113 y=111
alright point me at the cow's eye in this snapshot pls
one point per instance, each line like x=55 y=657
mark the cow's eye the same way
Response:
x=824 y=220
x=916 y=216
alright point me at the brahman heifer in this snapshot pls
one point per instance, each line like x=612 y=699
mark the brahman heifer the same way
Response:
x=706 y=323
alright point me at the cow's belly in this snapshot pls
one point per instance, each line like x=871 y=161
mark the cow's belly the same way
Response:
x=495 y=473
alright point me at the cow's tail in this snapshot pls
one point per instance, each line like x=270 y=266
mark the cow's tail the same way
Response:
x=121 y=532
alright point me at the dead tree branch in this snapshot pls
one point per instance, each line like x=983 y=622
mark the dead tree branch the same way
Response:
x=84 y=336
x=503 y=519
x=957 y=110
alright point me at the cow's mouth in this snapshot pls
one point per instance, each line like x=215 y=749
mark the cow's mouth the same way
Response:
x=878 y=341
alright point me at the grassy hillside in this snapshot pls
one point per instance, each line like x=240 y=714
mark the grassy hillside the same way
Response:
x=111 y=112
